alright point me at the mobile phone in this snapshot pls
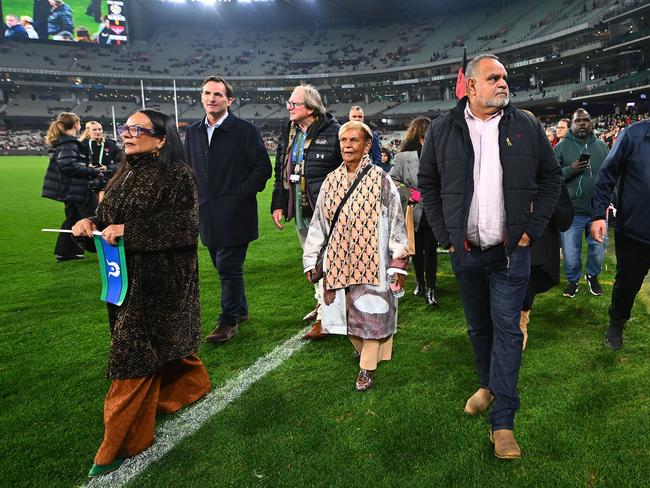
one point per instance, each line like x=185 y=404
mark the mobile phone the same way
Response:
x=585 y=157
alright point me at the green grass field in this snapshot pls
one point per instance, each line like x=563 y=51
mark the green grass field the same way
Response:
x=583 y=420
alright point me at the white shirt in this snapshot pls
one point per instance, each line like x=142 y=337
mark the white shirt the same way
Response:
x=486 y=224
x=210 y=128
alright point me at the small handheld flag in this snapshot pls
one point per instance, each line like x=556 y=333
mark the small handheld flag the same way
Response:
x=112 y=267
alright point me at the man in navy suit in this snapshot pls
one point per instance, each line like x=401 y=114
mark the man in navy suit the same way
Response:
x=231 y=166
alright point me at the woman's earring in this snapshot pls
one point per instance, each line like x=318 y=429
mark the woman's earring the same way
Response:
x=156 y=152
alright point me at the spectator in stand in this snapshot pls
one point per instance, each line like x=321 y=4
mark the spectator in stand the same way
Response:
x=562 y=128
x=68 y=179
x=60 y=19
x=626 y=166
x=28 y=24
x=308 y=150
x=405 y=171
x=14 y=29
x=581 y=155
x=357 y=114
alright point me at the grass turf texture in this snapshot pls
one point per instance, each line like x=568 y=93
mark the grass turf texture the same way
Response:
x=583 y=420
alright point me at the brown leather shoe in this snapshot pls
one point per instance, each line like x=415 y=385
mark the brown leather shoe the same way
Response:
x=311 y=316
x=316 y=333
x=222 y=333
x=505 y=444
x=479 y=402
x=365 y=380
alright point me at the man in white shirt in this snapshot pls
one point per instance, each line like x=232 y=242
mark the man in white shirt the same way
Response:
x=489 y=184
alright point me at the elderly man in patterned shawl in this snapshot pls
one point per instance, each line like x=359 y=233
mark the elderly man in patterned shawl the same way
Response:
x=366 y=255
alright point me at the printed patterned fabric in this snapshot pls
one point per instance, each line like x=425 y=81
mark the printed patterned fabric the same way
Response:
x=352 y=253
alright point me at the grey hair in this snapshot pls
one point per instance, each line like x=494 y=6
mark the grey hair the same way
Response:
x=312 y=99
x=472 y=67
x=356 y=107
x=356 y=125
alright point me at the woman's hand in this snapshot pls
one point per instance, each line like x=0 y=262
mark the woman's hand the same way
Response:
x=84 y=228
x=112 y=232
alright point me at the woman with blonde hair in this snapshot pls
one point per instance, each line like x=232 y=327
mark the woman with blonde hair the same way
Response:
x=68 y=179
x=405 y=170
x=101 y=151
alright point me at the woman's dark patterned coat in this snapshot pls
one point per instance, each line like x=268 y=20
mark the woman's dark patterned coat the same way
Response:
x=159 y=320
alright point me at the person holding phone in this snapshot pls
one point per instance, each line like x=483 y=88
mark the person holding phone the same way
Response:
x=581 y=154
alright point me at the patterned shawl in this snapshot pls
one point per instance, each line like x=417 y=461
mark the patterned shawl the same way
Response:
x=352 y=253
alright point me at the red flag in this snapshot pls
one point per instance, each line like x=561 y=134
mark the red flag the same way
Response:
x=460 y=80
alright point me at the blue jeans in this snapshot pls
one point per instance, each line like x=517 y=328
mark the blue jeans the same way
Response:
x=229 y=262
x=492 y=289
x=572 y=249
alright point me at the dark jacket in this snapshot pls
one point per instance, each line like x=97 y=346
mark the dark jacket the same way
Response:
x=580 y=186
x=60 y=20
x=230 y=171
x=160 y=318
x=531 y=176
x=68 y=175
x=322 y=156
x=545 y=252
x=16 y=32
x=110 y=156
x=628 y=164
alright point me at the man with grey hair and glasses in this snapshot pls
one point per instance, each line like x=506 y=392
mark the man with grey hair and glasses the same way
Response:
x=489 y=183
x=307 y=151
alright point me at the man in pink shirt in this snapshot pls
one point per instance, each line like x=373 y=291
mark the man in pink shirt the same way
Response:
x=489 y=183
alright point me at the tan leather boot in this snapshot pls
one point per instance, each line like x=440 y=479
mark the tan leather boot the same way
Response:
x=505 y=444
x=523 y=325
x=479 y=402
x=315 y=333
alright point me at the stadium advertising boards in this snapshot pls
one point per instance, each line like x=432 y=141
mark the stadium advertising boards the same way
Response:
x=101 y=22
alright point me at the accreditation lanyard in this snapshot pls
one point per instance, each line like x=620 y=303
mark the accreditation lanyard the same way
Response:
x=297 y=154
x=101 y=151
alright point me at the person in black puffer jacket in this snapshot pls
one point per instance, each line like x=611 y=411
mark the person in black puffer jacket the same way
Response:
x=307 y=152
x=68 y=179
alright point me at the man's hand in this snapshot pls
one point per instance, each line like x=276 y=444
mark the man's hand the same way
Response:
x=524 y=241
x=112 y=232
x=84 y=228
x=278 y=214
x=310 y=276
x=579 y=166
x=598 y=230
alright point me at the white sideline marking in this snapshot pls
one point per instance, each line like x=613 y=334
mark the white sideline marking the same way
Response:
x=189 y=420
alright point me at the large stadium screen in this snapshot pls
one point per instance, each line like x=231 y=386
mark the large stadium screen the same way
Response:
x=95 y=21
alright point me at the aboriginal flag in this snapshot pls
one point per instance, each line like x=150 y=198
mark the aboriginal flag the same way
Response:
x=112 y=266
x=460 y=81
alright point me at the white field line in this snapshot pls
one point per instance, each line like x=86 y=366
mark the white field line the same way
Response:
x=189 y=420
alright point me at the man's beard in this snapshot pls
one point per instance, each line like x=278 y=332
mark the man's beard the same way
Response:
x=497 y=102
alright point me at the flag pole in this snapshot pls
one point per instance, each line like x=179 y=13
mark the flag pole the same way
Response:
x=175 y=104
x=142 y=94
x=114 y=125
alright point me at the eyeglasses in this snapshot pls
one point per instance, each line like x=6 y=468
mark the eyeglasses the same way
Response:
x=291 y=105
x=134 y=130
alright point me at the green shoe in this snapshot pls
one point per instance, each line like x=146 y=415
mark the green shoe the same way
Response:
x=100 y=469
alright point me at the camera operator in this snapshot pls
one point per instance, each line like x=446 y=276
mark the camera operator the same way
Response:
x=101 y=152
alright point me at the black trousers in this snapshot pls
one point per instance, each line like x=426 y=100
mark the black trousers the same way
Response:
x=66 y=247
x=425 y=260
x=632 y=263
x=229 y=262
